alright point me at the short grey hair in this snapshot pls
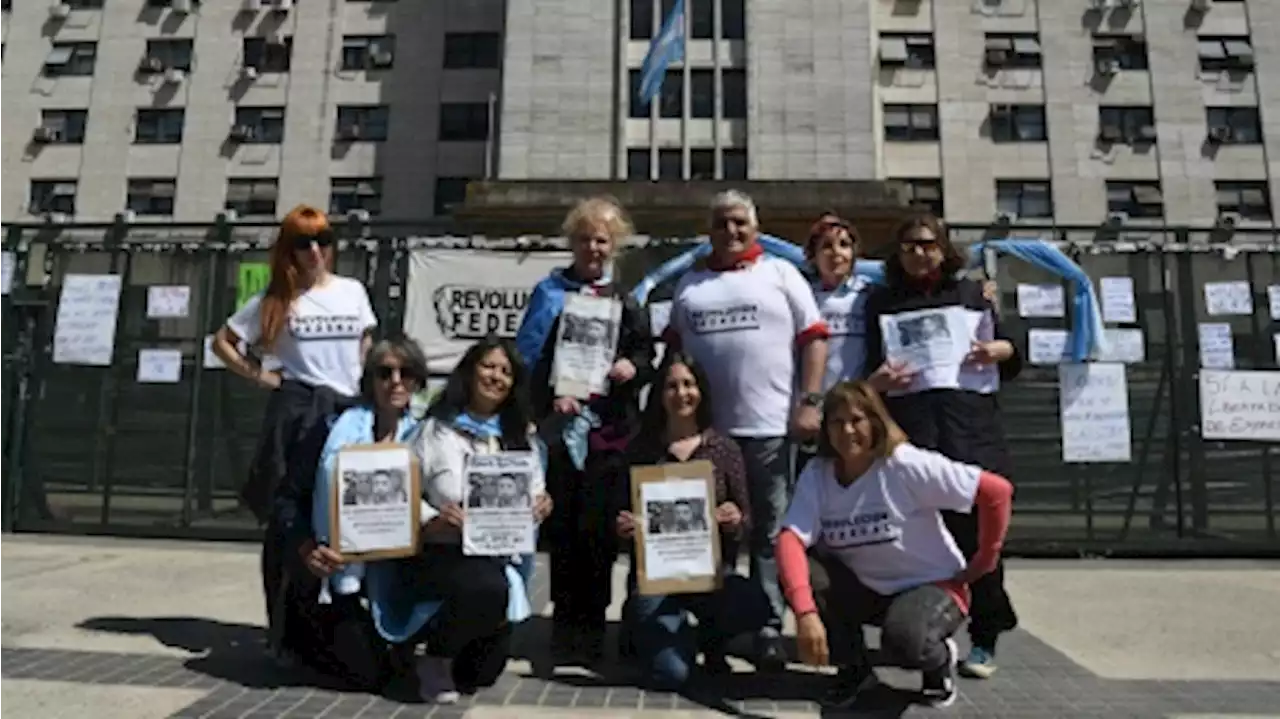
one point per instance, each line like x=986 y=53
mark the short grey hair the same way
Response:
x=733 y=199
x=412 y=361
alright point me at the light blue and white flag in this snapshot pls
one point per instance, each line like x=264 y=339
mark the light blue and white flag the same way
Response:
x=666 y=49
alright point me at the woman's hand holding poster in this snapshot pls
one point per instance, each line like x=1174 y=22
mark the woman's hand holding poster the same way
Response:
x=935 y=344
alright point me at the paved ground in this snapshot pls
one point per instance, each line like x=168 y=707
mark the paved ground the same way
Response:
x=140 y=630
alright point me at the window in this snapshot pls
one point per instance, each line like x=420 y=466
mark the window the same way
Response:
x=367 y=123
x=83 y=4
x=733 y=20
x=1017 y=123
x=1249 y=200
x=159 y=126
x=1119 y=52
x=69 y=59
x=671 y=96
x=166 y=3
x=52 y=196
x=253 y=196
x=911 y=123
x=670 y=165
x=909 y=50
x=464 y=121
x=702 y=16
x=702 y=93
x=641 y=19
x=1126 y=125
x=368 y=52
x=1141 y=199
x=636 y=109
x=735 y=163
x=1234 y=125
x=355 y=193
x=1024 y=199
x=450 y=193
x=733 y=84
x=472 y=50
x=638 y=164
x=64 y=127
x=6 y=5
x=1226 y=54
x=151 y=196
x=260 y=125
x=266 y=55
x=925 y=194
x=702 y=164
x=1010 y=51
x=167 y=55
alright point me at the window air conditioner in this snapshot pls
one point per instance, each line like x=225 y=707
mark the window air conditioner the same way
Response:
x=228 y=215
x=1219 y=134
x=127 y=216
x=1201 y=5
x=241 y=133
x=43 y=135
x=174 y=76
x=251 y=5
x=1117 y=218
x=151 y=64
x=181 y=6
x=381 y=58
x=281 y=5
x=1228 y=219
x=249 y=72
x=349 y=132
x=1005 y=218
x=56 y=218
x=60 y=11
x=1107 y=66
x=358 y=215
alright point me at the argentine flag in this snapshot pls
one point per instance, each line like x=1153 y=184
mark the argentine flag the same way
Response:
x=667 y=48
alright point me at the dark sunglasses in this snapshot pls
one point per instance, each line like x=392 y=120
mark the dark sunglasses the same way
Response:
x=910 y=245
x=324 y=238
x=384 y=373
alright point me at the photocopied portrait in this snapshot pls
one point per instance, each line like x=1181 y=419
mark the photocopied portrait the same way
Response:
x=923 y=330
x=375 y=503
x=374 y=487
x=676 y=516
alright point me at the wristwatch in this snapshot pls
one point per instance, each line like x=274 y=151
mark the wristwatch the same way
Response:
x=811 y=399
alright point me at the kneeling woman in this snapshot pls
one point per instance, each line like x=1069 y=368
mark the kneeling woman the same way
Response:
x=871 y=504
x=677 y=428
x=461 y=606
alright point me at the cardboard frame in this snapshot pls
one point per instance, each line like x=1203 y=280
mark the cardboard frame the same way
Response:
x=415 y=507
x=640 y=476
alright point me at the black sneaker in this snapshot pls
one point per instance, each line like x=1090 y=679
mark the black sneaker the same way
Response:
x=771 y=654
x=850 y=683
x=940 y=688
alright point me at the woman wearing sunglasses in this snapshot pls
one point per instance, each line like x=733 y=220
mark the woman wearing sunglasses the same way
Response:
x=319 y=327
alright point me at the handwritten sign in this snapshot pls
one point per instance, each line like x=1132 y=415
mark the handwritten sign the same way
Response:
x=1041 y=301
x=1273 y=300
x=1240 y=405
x=1095 y=413
x=1228 y=298
x=659 y=317
x=168 y=301
x=159 y=366
x=7 y=266
x=1117 y=300
x=1217 y=351
x=252 y=278
x=1049 y=346
x=84 y=332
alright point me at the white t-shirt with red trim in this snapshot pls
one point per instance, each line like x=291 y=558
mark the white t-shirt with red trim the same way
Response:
x=885 y=526
x=742 y=325
x=844 y=312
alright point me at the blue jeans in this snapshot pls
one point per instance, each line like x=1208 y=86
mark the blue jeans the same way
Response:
x=768 y=464
x=665 y=644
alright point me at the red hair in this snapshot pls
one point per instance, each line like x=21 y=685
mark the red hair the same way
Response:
x=282 y=290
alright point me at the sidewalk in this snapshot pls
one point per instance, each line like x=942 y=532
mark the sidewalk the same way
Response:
x=118 y=629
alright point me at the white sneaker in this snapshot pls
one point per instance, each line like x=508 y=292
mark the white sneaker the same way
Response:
x=940 y=687
x=435 y=680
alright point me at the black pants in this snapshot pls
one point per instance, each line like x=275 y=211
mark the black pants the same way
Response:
x=990 y=611
x=584 y=546
x=471 y=625
x=914 y=623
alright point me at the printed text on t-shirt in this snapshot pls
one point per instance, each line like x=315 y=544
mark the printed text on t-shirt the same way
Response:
x=860 y=529
x=325 y=327
x=735 y=318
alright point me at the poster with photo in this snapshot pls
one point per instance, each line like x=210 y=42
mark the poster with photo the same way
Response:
x=677 y=540
x=586 y=344
x=498 y=504
x=374 y=511
x=934 y=337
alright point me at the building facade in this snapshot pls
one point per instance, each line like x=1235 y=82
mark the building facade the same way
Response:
x=1071 y=111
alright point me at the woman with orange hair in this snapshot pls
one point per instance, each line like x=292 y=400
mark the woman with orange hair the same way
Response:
x=319 y=326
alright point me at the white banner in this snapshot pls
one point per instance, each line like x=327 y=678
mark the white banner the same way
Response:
x=456 y=297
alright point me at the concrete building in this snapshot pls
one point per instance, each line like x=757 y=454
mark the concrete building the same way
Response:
x=1076 y=111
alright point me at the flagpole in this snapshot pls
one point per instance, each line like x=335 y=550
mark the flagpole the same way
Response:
x=488 y=140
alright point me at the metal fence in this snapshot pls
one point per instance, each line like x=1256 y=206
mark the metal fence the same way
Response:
x=90 y=450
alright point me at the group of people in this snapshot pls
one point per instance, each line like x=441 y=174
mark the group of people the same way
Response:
x=897 y=516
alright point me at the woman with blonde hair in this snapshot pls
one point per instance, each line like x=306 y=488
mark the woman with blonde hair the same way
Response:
x=870 y=507
x=319 y=326
x=585 y=436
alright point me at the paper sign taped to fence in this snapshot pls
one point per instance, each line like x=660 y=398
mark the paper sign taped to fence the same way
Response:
x=85 y=329
x=1095 y=413
x=251 y=278
x=1117 y=300
x=1228 y=298
x=8 y=262
x=1217 y=351
x=159 y=366
x=1240 y=405
x=1273 y=301
x=456 y=297
x=168 y=301
x=1049 y=347
x=659 y=317
x=1041 y=301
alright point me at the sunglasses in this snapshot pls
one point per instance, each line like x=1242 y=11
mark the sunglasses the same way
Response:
x=385 y=372
x=912 y=245
x=324 y=238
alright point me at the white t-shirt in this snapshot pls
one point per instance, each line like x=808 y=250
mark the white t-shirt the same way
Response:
x=320 y=343
x=742 y=325
x=844 y=311
x=885 y=526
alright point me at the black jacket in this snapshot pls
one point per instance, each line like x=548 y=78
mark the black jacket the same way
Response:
x=960 y=424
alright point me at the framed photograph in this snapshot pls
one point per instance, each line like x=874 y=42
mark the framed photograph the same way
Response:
x=677 y=539
x=498 y=502
x=374 y=512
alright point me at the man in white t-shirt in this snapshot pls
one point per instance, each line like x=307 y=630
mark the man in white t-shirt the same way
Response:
x=747 y=317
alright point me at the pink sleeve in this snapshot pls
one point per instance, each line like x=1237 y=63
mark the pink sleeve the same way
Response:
x=994 y=505
x=793 y=572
